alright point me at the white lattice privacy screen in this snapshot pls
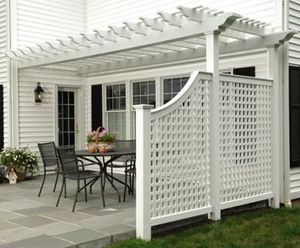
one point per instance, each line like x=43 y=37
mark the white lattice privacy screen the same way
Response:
x=180 y=164
x=177 y=139
x=245 y=138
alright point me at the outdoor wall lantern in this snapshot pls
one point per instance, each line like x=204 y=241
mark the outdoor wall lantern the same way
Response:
x=38 y=93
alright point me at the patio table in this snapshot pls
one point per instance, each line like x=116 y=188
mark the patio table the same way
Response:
x=123 y=148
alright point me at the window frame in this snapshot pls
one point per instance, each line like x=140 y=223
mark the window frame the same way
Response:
x=140 y=81
x=104 y=102
x=162 y=90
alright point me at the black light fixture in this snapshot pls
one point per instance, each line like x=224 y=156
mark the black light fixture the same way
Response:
x=38 y=93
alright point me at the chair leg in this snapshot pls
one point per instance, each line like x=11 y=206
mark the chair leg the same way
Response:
x=124 y=197
x=57 y=175
x=102 y=188
x=112 y=174
x=42 y=184
x=132 y=184
x=61 y=190
x=65 y=189
x=85 y=190
x=76 y=196
x=91 y=187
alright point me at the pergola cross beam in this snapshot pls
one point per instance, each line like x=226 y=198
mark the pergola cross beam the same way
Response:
x=172 y=33
x=193 y=55
x=167 y=35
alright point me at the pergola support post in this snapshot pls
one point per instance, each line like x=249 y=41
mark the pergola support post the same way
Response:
x=274 y=74
x=212 y=65
x=143 y=226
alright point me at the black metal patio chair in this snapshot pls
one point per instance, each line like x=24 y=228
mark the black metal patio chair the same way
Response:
x=128 y=164
x=50 y=162
x=130 y=172
x=73 y=171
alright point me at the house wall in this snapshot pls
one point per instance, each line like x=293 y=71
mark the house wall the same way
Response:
x=37 y=21
x=40 y=20
x=4 y=44
x=37 y=121
x=258 y=59
x=293 y=22
x=101 y=13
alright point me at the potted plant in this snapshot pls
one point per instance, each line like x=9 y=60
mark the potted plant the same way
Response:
x=101 y=140
x=21 y=160
x=3 y=172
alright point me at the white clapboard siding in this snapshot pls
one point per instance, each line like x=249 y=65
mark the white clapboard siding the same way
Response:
x=259 y=60
x=294 y=23
x=101 y=13
x=37 y=121
x=40 y=20
x=4 y=65
x=295 y=183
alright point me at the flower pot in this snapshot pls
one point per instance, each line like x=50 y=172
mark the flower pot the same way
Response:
x=21 y=174
x=106 y=146
x=92 y=148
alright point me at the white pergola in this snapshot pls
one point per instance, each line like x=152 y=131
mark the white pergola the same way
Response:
x=168 y=38
x=186 y=35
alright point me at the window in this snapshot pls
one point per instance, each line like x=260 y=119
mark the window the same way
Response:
x=144 y=92
x=115 y=109
x=243 y=71
x=115 y=97
x=171 y=87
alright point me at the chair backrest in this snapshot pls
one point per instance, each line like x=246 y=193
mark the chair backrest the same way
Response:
x=68 y=160
x=48 y=154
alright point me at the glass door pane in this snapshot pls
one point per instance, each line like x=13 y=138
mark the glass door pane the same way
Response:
x=66 y=118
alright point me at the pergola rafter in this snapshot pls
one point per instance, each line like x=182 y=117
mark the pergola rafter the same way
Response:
x=170 y=36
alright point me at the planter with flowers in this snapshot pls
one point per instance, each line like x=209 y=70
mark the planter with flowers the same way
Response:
x=101 y=140
x=21 y=160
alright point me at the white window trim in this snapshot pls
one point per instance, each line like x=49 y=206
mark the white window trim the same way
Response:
x=162 y=90
x=105 y=111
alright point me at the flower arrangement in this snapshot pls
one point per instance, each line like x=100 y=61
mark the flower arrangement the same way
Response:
x=19 y=159
x=101 y=140
x=101 y=135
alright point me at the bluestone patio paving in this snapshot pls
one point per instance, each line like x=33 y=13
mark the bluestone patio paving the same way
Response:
x=30 y=221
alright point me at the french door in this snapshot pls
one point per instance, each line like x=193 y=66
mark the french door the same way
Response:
x=67 y=124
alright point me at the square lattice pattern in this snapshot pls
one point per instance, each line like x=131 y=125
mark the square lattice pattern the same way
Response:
x=180 y=165
x=245 y=140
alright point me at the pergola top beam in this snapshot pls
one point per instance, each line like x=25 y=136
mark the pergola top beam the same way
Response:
x=193 y=55
x=182 y=25
x=171 y=33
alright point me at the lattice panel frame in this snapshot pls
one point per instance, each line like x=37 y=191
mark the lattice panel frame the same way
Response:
x=180 y=163
x=245 y=140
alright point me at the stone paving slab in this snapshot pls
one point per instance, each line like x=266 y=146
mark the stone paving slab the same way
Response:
x=32 y=221
x=19 y=204
x=7 y=215
x=27 y=220
x=16 y=234
x=118 y=229
x=57 y=228
x=67 y=215
x=42 y=241
x=82 y=235
x=5 y=225
x=35 y=211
